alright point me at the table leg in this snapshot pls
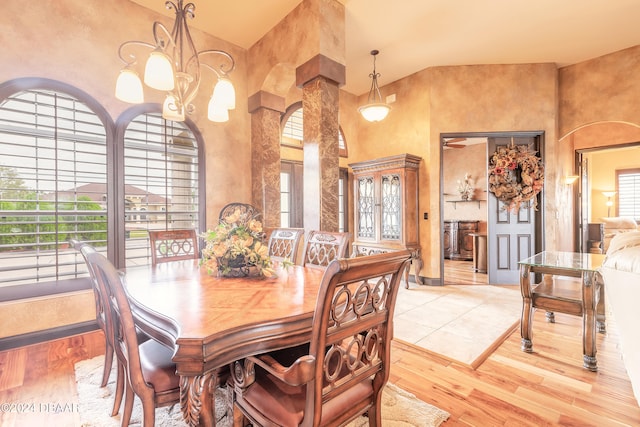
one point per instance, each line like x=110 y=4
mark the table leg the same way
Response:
x=589 y=320
x=527 y=309
x=196 y=399
x=600 y=314
x=416 y=260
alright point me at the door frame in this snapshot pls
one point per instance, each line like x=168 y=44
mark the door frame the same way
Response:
x=539 y=214
x=581 y=200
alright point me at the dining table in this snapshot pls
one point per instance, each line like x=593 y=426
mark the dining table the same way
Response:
x=210 y=321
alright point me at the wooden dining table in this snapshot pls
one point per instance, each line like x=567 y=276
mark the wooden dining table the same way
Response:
x=212 y=321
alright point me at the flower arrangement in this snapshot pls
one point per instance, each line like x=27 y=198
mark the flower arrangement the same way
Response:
x=464 y=187
x=236 y=247
x=516 y=175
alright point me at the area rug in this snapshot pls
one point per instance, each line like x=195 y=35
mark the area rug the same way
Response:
x=464 y=324
x=399 y=408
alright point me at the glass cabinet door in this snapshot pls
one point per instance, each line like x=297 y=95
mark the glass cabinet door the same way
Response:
x=391 y=205
x=366 y=205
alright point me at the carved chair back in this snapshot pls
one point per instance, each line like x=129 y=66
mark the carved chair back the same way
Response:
x=245 y=208
x=322 y=247
x=173 y=245
x=284 y=243
x=347 y=363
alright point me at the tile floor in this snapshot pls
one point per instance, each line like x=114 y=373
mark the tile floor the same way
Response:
x=459 y=322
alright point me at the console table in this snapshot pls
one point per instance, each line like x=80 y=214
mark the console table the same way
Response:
x=579 y=298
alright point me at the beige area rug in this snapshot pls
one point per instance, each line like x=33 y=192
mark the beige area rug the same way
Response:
x=400 y=408
x=461 y=323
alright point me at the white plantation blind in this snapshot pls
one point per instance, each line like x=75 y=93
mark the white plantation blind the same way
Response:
x=52 y=185
x=629 y=193
x=292 y=130
x=161 y=181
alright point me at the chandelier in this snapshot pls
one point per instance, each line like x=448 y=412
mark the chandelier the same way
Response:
x=375 y=110
x=174 y=66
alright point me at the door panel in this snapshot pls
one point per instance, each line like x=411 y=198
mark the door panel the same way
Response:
x=511 y=236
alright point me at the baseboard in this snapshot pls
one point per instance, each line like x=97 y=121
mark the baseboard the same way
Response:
x=431 y=281
x=47 y=335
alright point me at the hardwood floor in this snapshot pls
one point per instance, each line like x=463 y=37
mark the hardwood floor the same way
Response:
x=511 y=388
x=461 y=273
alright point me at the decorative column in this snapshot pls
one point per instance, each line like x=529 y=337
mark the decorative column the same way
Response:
x=265 y=109
x=320 y=78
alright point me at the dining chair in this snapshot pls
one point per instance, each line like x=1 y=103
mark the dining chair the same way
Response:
x=149 y=372
x=102 y=315
x=322 y=247
x=340 y=373
x=229 y=209
x=173 y=245
x=105 y=322
x=284 y=243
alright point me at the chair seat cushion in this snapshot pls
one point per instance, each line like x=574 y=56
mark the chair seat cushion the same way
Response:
x=284 y=404
x=157 y=367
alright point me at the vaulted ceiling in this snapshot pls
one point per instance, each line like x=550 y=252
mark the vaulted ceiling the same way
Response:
x=416 y=34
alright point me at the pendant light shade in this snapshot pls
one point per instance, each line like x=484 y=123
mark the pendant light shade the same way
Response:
x=224 y=94
x=129 y=87
x=374 y=110
x=158 y=73
x=172 y=111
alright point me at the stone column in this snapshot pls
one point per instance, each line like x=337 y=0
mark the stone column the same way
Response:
x=320 y=78
x=266 y=109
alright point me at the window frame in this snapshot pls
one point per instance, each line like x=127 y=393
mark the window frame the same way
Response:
x=11 y=87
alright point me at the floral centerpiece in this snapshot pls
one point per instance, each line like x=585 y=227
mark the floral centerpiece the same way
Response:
x=516 y=176
x=236 y=247
x=464 y=187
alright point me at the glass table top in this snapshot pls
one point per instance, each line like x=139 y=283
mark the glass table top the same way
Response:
x=565 y=260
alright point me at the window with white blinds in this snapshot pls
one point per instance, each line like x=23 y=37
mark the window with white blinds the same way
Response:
x=53 y=183
x=161 y=182
x=292 y=130
x=628 y=183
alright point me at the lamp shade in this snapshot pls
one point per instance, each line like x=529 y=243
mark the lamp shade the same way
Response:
x=158 y=72
x=374 y=112
x=129 y=87
x=224 y=94
x=171 y=111
x=217 y=112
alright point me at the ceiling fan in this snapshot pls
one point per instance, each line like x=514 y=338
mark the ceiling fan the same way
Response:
x=452 y=142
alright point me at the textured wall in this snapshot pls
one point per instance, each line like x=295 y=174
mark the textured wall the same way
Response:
x=604 y=89
x=476 y=98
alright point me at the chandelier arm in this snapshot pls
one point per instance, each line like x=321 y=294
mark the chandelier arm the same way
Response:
x=220 y=70
x=159 y=27
x=133 y=59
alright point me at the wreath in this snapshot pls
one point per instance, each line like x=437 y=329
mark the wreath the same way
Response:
x=516 y=176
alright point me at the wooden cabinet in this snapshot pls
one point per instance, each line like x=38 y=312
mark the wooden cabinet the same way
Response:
x=458 y=239
x=386 y=216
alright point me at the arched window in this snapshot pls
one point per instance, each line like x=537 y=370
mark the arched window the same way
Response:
x=53 y=177
x=292 y=129
x=163 y=175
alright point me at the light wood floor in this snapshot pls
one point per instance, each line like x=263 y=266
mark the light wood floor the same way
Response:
x=510 y=388
x=461 y=273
